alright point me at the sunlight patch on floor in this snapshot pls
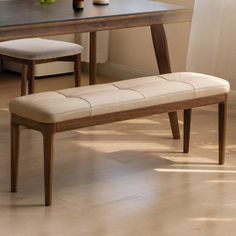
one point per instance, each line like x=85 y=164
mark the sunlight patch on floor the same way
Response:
x=215 y=147
x=195 y=171
x=208 y=165
x=213 y=219
x=112 y=146
x=221 y=181
x=187 y=158
x=100 y=132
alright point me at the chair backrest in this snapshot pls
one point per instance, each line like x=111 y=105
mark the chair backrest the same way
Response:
x=212 y=46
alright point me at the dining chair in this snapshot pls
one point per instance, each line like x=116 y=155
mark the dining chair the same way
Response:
x=32 y=51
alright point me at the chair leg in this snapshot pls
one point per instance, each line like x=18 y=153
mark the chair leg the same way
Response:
x=174 y=123
x=24 y=79
x=187 y=128
x=48 y=142
x=77 y=70
x=15 y=143
x=222 y=131
x=31 y=77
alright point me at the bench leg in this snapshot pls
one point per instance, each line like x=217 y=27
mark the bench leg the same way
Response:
x=187 y=128
x=174 y=123
x=77 y=70
x=222 y=131
x=163 y=60
x=48 y=143
x=15 y=142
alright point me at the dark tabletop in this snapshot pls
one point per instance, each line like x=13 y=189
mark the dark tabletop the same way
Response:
x=21 y=12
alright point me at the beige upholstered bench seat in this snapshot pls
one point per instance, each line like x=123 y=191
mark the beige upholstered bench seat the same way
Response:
x=38 y=49
x=69 y=109
x=74 y=103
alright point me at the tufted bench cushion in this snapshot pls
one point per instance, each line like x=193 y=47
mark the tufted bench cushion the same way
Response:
x=69 y=104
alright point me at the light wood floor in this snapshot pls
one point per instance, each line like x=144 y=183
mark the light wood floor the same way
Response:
x=121 y=179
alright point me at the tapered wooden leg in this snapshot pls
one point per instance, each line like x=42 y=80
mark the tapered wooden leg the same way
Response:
x=174 y=123
x=77 y=70
x=92 y=59
x=187 y=128
x=31 y=77
x=163 y=60
x=222 y=131
x=15 y=142
x=48 y=143
x=24 y=76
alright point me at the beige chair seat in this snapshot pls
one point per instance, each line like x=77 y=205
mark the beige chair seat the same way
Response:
x=74 y=103
x=30 y=52
x=38 y=49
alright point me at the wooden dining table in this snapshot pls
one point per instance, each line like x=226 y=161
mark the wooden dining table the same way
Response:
x=28 y=18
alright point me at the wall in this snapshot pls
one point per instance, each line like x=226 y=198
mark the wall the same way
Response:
x=131 y=49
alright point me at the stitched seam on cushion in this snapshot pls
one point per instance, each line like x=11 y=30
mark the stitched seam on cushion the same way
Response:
x=76 y=98
x=210 y=88
x=199 y=89
x=153 y=97
x=130 y=90
x=103 y=90
x=160 y=76
x=94 y=107
x=145 y=98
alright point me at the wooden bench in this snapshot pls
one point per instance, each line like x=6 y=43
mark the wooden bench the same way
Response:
x=74 y=108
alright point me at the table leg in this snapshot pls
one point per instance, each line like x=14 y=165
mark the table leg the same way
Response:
x=92 y=58
x=163 y=61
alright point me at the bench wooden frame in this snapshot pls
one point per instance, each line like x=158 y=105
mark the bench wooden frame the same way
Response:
x=48 y=131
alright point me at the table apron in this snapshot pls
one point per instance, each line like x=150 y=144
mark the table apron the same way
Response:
x=93 y=25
